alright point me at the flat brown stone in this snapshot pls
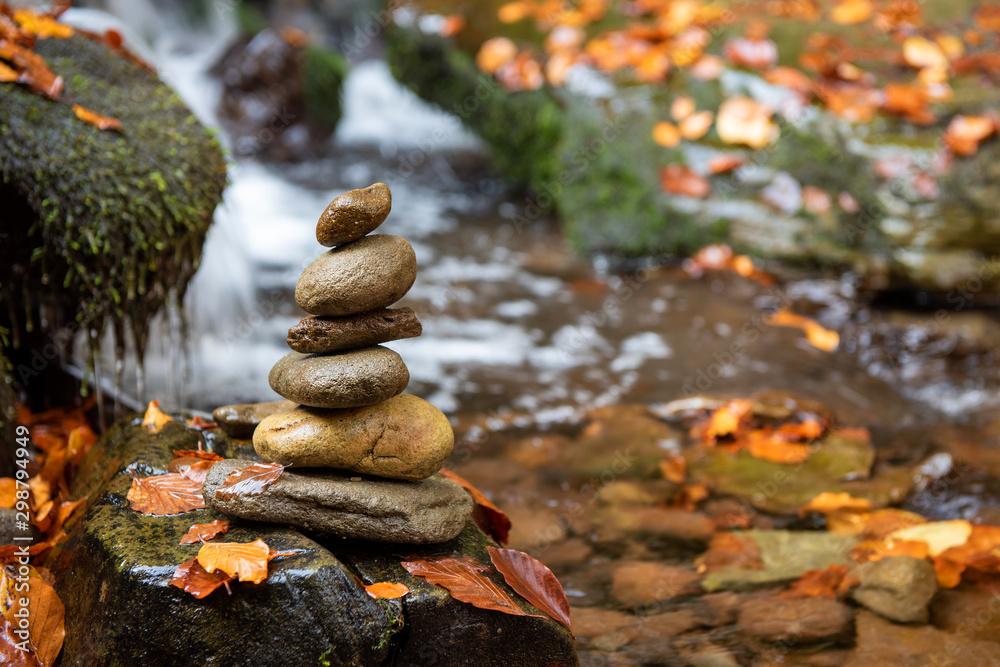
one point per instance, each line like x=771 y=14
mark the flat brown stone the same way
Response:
x=354 y=214
x=239 y=421
x=317 y=334
x=346 y=380
x=370 y=273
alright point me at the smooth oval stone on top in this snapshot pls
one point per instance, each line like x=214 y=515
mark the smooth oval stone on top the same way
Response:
x=402 y=438
x=371 y=273
x=347 y=380
x=353 y=215
x=384 y=510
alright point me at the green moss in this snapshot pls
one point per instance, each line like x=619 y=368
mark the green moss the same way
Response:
x=103 y=224
x=323 y=72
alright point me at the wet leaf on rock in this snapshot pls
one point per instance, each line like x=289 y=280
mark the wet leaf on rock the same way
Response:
x=387 y=590
x=832 y=582
x=201 y=532
x=532 y=581
x=162 y=495
x=247 y=561
x=192 y=578
x=465 y=583
x=197 y=472
x=490 y=518
x=155 y=419
x=197 y=453
x=250 y=481
x=45 y=613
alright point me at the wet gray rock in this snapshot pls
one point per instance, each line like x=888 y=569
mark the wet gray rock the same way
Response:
x=402 y=438
x=316 y=334
x=899 y=588
x=353 y=215
x=425 y=512
x=239 y=421
x=348 y=380
x=368 y=274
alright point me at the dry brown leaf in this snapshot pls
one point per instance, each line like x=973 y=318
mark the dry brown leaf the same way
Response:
x=162 y=495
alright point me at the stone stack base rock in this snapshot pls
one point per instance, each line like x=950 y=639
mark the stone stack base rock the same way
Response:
x=367 y=451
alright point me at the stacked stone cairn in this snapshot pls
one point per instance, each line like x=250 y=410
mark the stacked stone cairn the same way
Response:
x=362 y=455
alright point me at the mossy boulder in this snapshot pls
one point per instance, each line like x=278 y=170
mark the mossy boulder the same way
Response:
x=100 y=225
x=585 y=150
x=311 y=610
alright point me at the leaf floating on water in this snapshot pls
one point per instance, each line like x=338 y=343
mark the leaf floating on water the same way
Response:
x=201 y=532
x=532 y=581
x=833 y=583
x=465 y=583
x=248 y=561
x=155 y=418
x=249 y=481
x=100 y=122
x=489 y=517
x=163 y=495
x=386 y=590
x=192 y=578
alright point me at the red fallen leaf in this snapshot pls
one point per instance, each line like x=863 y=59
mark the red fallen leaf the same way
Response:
x=833 y=582
x=96 y=119
x=197 y=472
x=201 y=532
x=198 y=454
x=753 y=53
x=9 y=551
x=490 y=518
x=199 y=423
x=465 y=583
x=192 y=578
x=11 y=653
x=386 y=590
x=249 y=481
x=532 y=581
x=452 y=25
x=161 y=495
x=679 y=179
x=248 y=561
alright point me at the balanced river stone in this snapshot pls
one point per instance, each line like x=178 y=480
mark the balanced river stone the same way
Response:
x=368 y=274
x=353 y=215
x=333 y=334
x=239 y=421
x=426 y=512
x=403 y=438
x=346 y=380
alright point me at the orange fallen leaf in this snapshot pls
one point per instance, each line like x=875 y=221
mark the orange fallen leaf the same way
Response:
x=674 y=469
x=452 y=25
x=790 y=78
x=829 y=502
x=8 y=491
x=833 y=582
x=386 y=590
x=680 y=179
x=689 y=496
x=162 y=495
x=197 y=472
x=199 y=423
x=39 y=604
x=920 y=52
x=96 y=119
x=155 y=419
x=815 y=200
x=666 y=134
x=850 y=12
x=727 y=420
x=730 y=550
x=198 y=454
x=741 y=120
x=681 y=108
x=965 y=133
x=532 y=581
x=201 y=532
x=752 y=53
x=978 y=552
x=495 y=53
x=250 y=481
x=723 y=164
x=41 y=26
x=707 y=68
x=192 y=578
x=490 y=518
x=769 y=447
x=247 y=561
x=696 y=125
x=7 y=75
x=820 y=337
x=872 y=550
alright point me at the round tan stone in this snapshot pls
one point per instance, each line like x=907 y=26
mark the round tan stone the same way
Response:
x=347 y=380
x=403 y=438
x=371 y=273
x=354 y=214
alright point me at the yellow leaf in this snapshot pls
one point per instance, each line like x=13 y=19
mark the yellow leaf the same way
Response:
x=666 y=134
x=939 y=536
x=681 y=108
x=828 y=502
x=246 y=561
x=495 y=53
x=850 y=12
x=7 y=75
x=41 y=26
x=155 y=418
x=696 y=125
x=920 y=52
x=742 y=120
